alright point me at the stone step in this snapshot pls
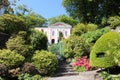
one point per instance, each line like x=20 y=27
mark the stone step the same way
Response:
x=67 y=73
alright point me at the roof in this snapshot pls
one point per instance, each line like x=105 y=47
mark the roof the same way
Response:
x=60 y=24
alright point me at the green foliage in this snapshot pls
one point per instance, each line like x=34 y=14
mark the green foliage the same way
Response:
x=54 y=48
x=114 y=21
x=63 y=18
x=79 y=69
x=10 y=59
x=21 y=10
x=117 y=56
x=25 y=76
x=1 y=78
x=107 y=76
x=17 y=44
x=45 y=62
x=12 y=24
x=81 y=28
x=31 y=18
x=34 y=20
x=91 y=10
x=102 y=54
x=92 y=36
x=38 y=40
x=75 y=46
x=4 y=3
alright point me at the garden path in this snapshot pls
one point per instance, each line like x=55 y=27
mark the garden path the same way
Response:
x=66 y=72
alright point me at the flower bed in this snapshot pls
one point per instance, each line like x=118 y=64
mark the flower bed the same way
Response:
x=82 y=64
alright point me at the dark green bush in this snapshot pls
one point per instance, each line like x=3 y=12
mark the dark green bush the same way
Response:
x=10 y=59
x=45 y=62
x=38 y=40
x=102 y=52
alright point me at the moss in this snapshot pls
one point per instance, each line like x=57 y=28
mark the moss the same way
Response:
x=102 y=52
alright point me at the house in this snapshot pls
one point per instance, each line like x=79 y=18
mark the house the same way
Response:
x=53 y=31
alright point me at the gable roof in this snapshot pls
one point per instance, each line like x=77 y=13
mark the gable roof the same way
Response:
x=60 y=24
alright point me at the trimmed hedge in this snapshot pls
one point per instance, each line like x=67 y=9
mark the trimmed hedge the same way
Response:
x=102 y=52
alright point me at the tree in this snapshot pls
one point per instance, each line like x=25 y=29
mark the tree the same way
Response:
x=21 y=10
x=11 y=24
x=30 y=17
x=63 y=18
x=3 y=5
x=92 y=10
x=34 y=20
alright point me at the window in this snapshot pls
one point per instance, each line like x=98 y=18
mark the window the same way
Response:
x=65 y=33
x=53 y=33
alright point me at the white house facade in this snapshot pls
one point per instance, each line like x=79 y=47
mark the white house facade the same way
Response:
x=52 y=31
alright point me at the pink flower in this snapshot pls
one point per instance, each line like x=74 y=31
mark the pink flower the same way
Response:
x=82 y=62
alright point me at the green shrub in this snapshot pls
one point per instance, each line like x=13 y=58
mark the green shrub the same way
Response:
x=117 y=56
x=11 y=24
x=114 y=21
x=102 y=52
x=17 y=44
x=83 y=28
x=10 y=59
x=25 y=76
x=75 y=46
x=45 y=62
x=107 y=76
x=54 y=48
x=92 y=36
x=38 y=40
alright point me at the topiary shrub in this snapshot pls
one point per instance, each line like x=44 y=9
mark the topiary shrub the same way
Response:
x=29 y=68
x=102 y=54
x=45 y=62
x=10 y=59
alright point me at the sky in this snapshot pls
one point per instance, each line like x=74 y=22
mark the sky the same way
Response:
x=46 y=8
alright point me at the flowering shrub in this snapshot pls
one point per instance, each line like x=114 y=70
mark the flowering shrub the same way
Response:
x=82 y=64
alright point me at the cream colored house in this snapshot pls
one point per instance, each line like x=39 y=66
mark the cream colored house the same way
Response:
x=52 y=31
